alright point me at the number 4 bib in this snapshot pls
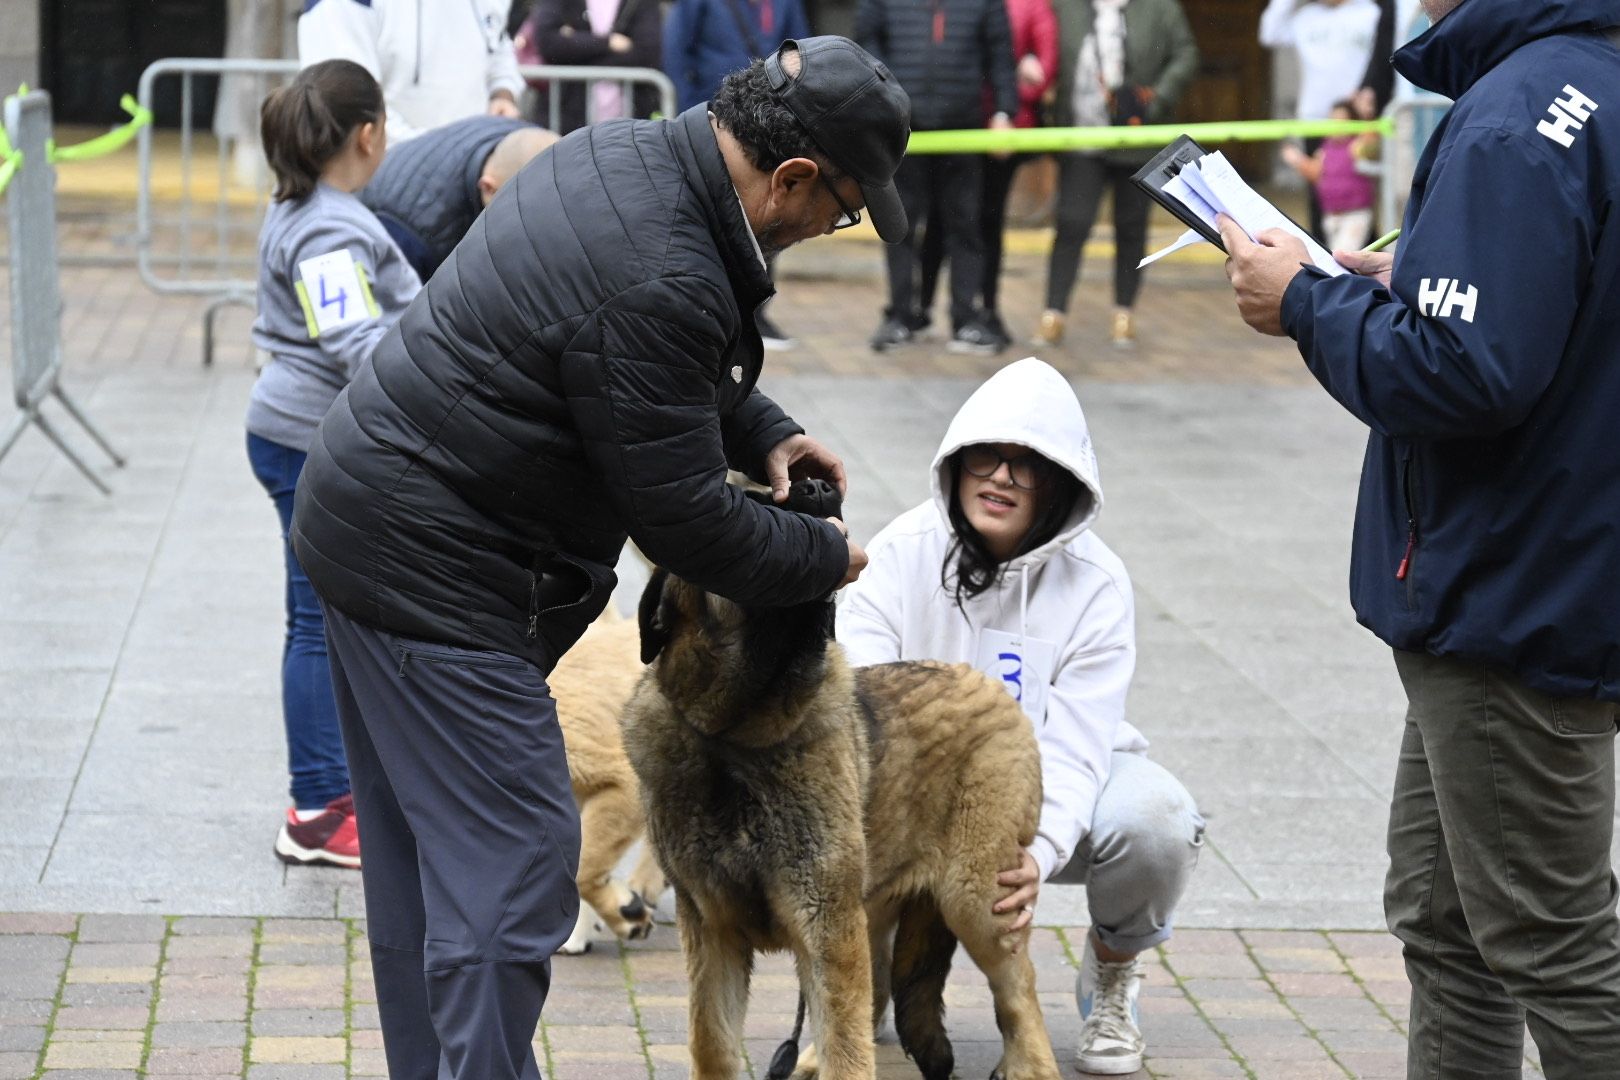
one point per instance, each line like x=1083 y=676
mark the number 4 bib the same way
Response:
x=334 y=292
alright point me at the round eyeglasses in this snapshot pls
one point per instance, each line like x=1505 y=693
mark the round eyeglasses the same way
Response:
x=1028 y=470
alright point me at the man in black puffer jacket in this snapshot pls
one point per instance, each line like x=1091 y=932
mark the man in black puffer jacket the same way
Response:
x=582 y=366
x=430 y=189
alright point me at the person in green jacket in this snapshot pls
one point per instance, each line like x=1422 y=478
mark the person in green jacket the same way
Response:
x=1120 y=62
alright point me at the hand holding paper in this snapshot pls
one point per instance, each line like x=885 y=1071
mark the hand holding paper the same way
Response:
x=1260 y=271
x=1205 y=186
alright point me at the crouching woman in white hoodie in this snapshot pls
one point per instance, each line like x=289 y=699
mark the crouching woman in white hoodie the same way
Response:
x=1001 y=570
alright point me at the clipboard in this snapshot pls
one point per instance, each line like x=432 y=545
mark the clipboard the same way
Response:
x=1166 y=164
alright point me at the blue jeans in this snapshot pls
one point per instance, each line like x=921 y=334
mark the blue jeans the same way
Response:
x=314 y=740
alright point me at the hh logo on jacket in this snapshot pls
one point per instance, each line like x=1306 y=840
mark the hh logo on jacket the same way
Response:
x=1443 y=297
x=1569 y=115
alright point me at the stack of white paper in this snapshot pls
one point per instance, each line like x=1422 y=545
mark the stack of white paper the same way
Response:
x=1210 y=187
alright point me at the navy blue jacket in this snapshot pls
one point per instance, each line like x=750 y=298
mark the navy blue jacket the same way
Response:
x=426 y=190
x=1488 y=524
x=704 y=42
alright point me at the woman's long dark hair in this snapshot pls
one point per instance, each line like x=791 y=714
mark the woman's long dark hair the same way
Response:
x=305 y=124
x=976 y=569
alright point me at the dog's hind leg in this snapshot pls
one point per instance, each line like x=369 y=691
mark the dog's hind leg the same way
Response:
x=1026 y=1046
x=923 y=947
x=718 y=966
x=609 y=822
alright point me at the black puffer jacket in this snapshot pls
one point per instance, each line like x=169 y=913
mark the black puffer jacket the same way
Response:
x=426 y=190
x=943 y=52
x=582 y=366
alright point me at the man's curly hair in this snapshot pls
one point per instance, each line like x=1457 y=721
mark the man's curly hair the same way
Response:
x=770 y=134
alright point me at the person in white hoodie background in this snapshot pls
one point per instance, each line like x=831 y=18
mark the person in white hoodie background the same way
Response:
x=1002 y=571
x=437 y=60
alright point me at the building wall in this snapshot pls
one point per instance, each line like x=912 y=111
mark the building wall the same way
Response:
x=19 y=43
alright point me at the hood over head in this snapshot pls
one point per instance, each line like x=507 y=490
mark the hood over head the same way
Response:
x=1028 y=403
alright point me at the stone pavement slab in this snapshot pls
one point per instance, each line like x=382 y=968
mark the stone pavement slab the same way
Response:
x=1215 y=1003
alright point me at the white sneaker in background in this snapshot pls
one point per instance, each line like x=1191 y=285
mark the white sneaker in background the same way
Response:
x=1111 y=1034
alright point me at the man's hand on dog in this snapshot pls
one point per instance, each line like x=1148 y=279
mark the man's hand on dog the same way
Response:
x=1260 y=272
x=797 y=457
x=857 y=555
x=1025 y=883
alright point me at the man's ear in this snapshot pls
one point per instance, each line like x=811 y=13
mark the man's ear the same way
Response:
x=487 y=187
x=794 y=172
x=650 y=615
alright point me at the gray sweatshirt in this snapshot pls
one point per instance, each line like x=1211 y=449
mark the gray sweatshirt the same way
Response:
x=331 y=283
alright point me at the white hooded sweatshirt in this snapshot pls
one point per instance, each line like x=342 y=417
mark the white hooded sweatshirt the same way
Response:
x=1064 y=608
x=436 y=60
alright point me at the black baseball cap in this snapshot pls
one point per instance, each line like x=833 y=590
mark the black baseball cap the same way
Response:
x=856 y=114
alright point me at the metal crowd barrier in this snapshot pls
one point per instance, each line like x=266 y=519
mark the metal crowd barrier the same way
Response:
x=1411 y=123
x=36 y=302
x=204 y=243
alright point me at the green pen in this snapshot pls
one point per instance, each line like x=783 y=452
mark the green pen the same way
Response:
x=1383 y=241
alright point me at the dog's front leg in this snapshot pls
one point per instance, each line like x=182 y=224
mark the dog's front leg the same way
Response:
x=835 y=973
x=718 y=964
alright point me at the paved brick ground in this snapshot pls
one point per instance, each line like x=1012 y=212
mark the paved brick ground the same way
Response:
x=101 y=997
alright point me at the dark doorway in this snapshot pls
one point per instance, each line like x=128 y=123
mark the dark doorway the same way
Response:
x=93 y=51
x=1234 y=78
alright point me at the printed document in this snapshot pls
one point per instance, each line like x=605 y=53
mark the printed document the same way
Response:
x=1210 y=186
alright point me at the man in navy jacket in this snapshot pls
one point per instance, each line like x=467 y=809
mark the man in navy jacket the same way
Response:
x=1485 y=359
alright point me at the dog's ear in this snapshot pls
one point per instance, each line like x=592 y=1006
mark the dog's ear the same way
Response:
x=655 y=631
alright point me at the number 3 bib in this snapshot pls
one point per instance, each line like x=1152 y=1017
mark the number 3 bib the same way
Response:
x=1024 y=665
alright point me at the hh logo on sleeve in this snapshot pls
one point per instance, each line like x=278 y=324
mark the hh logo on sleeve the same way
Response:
x=1441 y=298
x=1569 y=115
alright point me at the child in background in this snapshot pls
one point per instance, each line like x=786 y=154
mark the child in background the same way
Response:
x=1346 y=192
x=331 y=283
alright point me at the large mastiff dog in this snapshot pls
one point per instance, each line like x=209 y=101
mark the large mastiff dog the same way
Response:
x=797 y=804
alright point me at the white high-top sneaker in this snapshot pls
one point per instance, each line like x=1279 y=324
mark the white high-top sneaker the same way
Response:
x=1111 y=1036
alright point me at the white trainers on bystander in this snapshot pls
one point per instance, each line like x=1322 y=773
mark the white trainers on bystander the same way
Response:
x=1111 y=1035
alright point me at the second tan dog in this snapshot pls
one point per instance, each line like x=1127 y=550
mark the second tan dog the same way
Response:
x=797 y=804
x=591 y=683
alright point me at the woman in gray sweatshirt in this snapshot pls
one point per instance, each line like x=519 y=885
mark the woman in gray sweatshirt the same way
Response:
x=331 y=283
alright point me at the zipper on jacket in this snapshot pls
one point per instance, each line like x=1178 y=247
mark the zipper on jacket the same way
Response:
x=417 y=78
x=534 y=605
x=1403 y=572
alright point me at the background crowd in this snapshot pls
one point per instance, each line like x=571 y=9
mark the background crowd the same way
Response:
x=965 y=64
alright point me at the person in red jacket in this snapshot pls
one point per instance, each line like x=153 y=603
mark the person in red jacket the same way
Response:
x=1035 y=49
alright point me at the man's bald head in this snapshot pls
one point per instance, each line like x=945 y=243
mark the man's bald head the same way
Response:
x=510 y=155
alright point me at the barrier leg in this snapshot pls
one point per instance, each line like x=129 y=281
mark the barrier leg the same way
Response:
x=61 y=444
x=19 y=424
x=84 y=422
x=210 y=314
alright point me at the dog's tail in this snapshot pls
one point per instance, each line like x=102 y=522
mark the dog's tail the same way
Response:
x=787 y=1055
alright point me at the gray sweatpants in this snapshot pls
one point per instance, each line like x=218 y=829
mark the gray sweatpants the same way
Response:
x=1500 y=886
x=1139 y=855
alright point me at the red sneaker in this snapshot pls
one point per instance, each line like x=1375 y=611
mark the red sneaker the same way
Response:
x=332 y=838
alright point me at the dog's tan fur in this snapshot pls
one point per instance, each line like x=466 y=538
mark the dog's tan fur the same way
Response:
x=591 y=684
x=827 y=811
